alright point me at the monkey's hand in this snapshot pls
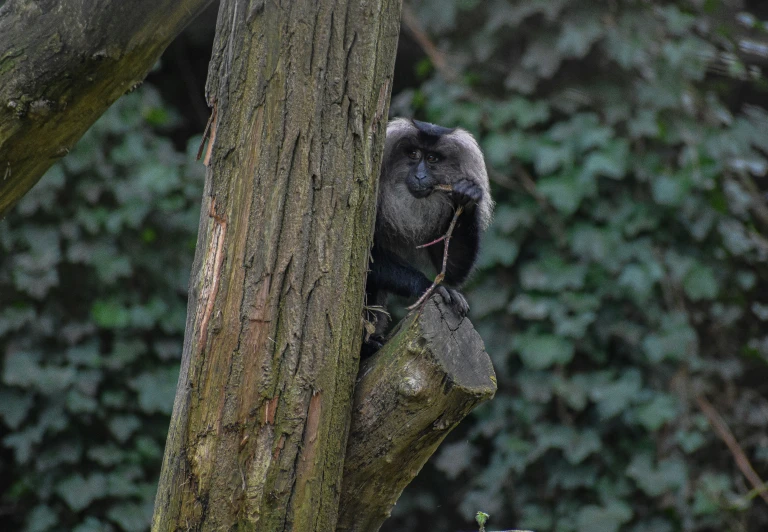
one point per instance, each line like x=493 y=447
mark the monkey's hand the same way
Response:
x=467 y=193
x=454 y=299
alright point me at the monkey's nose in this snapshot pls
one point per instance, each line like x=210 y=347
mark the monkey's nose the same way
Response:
x=421 y=176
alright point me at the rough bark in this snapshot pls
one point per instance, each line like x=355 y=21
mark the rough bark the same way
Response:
x=300 y=93
x=408 y=397
x=62 y=64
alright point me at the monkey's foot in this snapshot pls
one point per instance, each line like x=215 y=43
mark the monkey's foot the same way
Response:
x=455 y=299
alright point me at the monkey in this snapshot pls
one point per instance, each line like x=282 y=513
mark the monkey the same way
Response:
x=417 y=157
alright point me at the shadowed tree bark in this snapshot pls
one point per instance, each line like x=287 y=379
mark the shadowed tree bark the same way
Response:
x=299 y=93
x=62 y=64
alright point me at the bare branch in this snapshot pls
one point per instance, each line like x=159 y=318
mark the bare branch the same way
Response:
x=440 y=276
x=721 y=429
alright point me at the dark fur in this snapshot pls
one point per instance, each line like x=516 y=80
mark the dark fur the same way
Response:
x=411 y=213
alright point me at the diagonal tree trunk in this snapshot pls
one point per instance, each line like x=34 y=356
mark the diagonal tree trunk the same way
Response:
x=424 y=381
x=62 y=64
x=299 y=92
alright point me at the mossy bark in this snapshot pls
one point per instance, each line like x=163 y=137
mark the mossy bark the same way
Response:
x=300 y=92
x=62 y=64
x=408 y=397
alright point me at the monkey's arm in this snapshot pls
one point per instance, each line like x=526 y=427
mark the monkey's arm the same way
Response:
x=390 y=274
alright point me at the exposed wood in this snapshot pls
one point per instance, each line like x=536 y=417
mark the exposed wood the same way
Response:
x=62 y=64
x=408 y=397
x=261 y=417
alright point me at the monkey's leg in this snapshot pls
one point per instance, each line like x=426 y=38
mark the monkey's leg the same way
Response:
x=388 y=274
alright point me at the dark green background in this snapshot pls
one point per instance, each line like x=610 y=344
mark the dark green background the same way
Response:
x=625 y=275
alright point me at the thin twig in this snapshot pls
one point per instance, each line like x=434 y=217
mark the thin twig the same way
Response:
x=758 y=206
x=722 y=430
x=206 y=133
x=435 y=241
x=440 y=276
x=444 y=188
x=435 y=55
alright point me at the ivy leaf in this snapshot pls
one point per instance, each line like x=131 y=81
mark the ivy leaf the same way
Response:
x=91 y=524
x=552 y=274
x=676 y=340
x=669 y=475
x=660 y=410
x=700 y=283
x=15 y=408
x=563 y=192
x=454 y=458
x=122 y=427
x=78 y=491
x=156 y=390
x=607 y=518
x=543 y=351
x=610 y=161
x=41 y=519
x=110 y=314
x=131 y=517
x=614 y=397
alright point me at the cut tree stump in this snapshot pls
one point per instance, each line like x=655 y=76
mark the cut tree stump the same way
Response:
x=431 y=373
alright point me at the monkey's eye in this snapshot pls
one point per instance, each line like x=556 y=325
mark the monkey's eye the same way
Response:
x=432 y=158
x=414 y=154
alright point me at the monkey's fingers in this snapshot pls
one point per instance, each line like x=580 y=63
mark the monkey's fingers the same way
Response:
x=455 y=299
x=467 y=192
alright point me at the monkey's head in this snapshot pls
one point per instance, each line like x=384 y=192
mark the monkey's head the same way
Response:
x=418 y=156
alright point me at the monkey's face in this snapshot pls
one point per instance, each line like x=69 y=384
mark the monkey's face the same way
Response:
x=422 y=167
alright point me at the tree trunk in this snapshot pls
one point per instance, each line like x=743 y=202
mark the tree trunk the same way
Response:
x=408 y=397
x=299 y=93
x=62 y=64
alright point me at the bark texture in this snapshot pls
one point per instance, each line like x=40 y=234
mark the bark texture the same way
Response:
x=62 y=64
x=300 y=92
x=408 y=397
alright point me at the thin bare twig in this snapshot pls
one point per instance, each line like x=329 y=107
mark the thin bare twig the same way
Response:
x=435 y=241
x=206 y=132
x=440 y=276
x=435 y=55
x=758 y=206
x=721 y=429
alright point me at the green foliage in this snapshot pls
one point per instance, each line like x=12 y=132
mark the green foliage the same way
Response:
x=625 y=271
x=624 y=274
x=94 y=264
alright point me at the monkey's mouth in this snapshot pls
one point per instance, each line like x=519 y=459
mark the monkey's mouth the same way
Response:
x=421 y=192
x=418 y=189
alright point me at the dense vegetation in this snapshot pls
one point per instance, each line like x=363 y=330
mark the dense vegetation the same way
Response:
x=623 y=286
x=625 y=275
x=93 y=279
